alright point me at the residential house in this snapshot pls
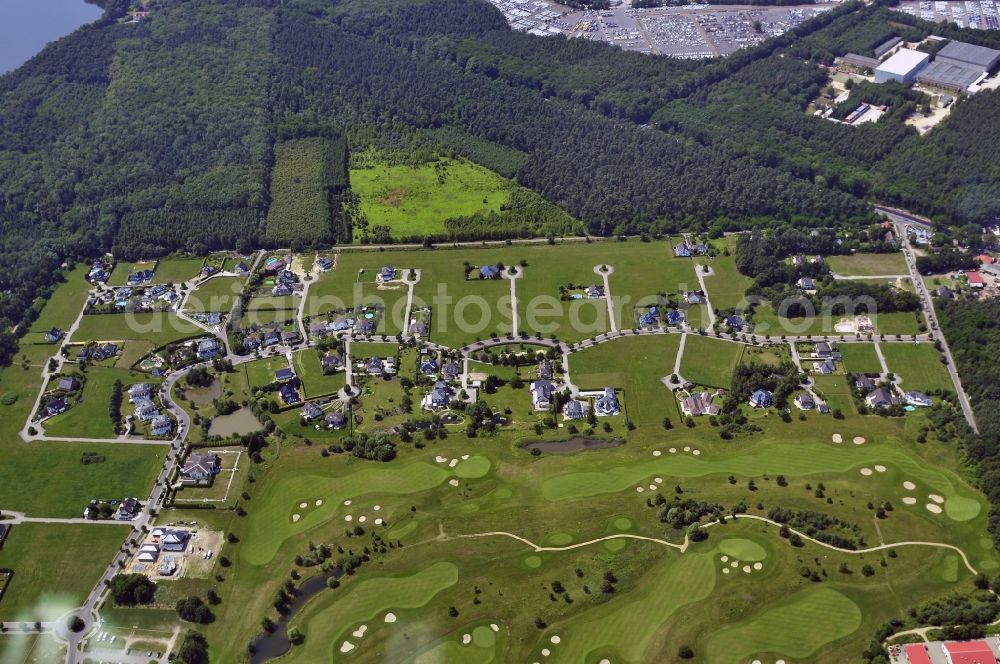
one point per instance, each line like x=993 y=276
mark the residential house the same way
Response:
x=576 y=409
x=242 y=269
x=140 y=277
x=429 y=367
x=209 y=270
x=489 y=272
x=146 y=410
x=289 y=395
x=139 y=391
x=291 y=337
x=67 y=384
x=275 y=264
x=864 y=383
x=365 y=326
x=174 y=540
x=544 y=370
x=281 y=290
x=439 y=397
x=946 y=293
x=341 y=324
x=200 y=468
x=696 y=297
x=675 y=317
x=607 y=403
x=804 y=401
x=332 y=362
x=286 y=277
x=56 y=406
x=213 y=318
x=53 y=335
x=806 y=284
x=823 y=349
x=162 y=426
x=761 y=399
x=385 y=274
x=128 y=509
x=319 y=328
x=650 y=318
x=284 y=375
x=682 y=250
x=451 y=370
x=335 y=420
x=699 y=403
x=83 y=355
x=208 y=348
x=311 y=411
x=822 y=408
x=882 y=397
x=419 y=329
x=918 y=399
x=827 y=367
x=374 y=365
x=733 y=323
x=324 y=264
x=251 y=342
x=541 y=393
x=271 y=338
x=594 y=291
x=975 y=280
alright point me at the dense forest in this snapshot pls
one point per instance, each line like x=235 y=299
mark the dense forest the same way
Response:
x=161 y=135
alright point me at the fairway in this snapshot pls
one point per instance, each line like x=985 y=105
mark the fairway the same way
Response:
x=416 y=200
x=710 y=362
x=918 y=366
x=55 y=566
x=797 y=629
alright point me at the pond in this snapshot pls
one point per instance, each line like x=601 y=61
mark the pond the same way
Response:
x=239 y=422
x=571 y=445
x=26 y=26
x=276 y=644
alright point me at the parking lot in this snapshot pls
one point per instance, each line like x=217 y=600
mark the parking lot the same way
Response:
x=692 y=31
x=981 y=14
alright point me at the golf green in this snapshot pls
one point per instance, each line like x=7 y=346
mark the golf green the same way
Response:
x=559 y=539
x=473 y=467
x=742 y=549
x=484 y=637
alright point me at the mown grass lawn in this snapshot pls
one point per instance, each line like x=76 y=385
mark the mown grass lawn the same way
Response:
x=261 y=372
x=308 y=368
x=216 y=295
x=63 y=307
x=866 y=265
x=55 y=566
x=159 y=328
x=918 y=365
x=709 y=361
x=90 y=418
x=860 y=358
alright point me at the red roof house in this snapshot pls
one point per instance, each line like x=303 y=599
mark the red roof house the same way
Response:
x=917 y=654
x=975 y=279
x=985 y=259
x=969 y=652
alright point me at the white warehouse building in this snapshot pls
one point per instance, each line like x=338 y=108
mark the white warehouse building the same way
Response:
x=902 y=67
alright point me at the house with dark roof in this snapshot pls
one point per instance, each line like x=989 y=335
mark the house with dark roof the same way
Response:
x=56 y=406
x=284 y=375
x=281 y=290
x=864 y=383
x=291 y=337
x=67 y=384
x=439 y=397
x=823 y=349
x=418 y=328
x=83 y=355
x=429 y=366
x=53 y=335
x=827 y=367
x=489 y=272
x=451 y=370
x=804 y=401
x=607 y=403
x=882 y=398
x=208 y=348
x=675 y=317
x=139 y=391
x=696 y=297
x=761 y=399
x=200 y=468
x=806 y=284
x=162 y=426
x=242 y=269
x=4 y=530
x=699 y=403
x=544 y=370
x=733 y=323
x=650 y=318
x=335 y=420
x=289 y=395
x=332 y=362
x=251 y=341
x=311 y=411
x=213 y=318
x=594 y=291
x=385 y=274
x=286 y=277
x=271 y=338
x=324 y=263
x=174 y=540
x=128 y=509
x=541 y=394
x=341 y=324
x=146 y=410
x=365 y=326
x=374 y=365
x=209 y=270
x=576 y=409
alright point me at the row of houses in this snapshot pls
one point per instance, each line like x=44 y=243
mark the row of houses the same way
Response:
x=312 y=411
x=886 y=396
x=140 y=396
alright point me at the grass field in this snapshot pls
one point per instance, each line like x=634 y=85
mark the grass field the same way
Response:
x=157 y=328
x=176 y=269
x=416 y=200
x=860 y=358
x=299 y=209
x=55 y=566
x=710 y=361
x=63 y=307
x=865 y=265
x=309 y=370
x=918 y=365
x=726 y=286
x=31 y=649
x=261 y=372
x=216 y=295
x=90 y=418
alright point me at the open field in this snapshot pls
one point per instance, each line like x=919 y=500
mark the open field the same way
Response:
x=157 y=328
x=860 y=358
x=63 y=307
x=709 y=361
x=726 y=286
x=176 y=269
x=30 y=649
x=865 y=265
x=89 y=418
x=415 y=200
x=218 y=295
x=767 y=322
x=261 y=372
x=55 y=566
x=307 y=367
x=918 y=365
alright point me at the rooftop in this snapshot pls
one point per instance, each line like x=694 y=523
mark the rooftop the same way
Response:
x=974 y=55
x=903 y=62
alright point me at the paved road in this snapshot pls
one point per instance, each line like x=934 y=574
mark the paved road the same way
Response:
x=902 y=221
x=606 y=275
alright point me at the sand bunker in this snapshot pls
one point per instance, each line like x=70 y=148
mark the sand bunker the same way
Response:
x=346 y=647
x=362 y=519
x=652 y=487
x=909 y=486
x=866 y=471
x=604 y=661
x=658 y=480
x=687 y=448
x=495 y=627
x=453 y=463
x=725 y=570
x=348 y=518
x=639 y=489
x=390 y=617
x=546 y=652
x=858 y=440
x=936 y=498
x=441 y=459
x=657 y=452
x=932 y=508
x=360 y=631
x=746 y=569
x=555 y=640
x=725 y=559
x=837 y=438
x=453 y=482
x=378 y=522
x=318 y=503
x=734 y=564
x=465 y=457
x=466 y=639
x=377 y=508
x=758 y=566
x=347 y=503
x=302 y=506
x=909 y=500
x=696 y=452
x=879 y=468
x=295 y=518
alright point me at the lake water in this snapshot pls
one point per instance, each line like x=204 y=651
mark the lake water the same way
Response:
x=26 y=26
x=239 y=422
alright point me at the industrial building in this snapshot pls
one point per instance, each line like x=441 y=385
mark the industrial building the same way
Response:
x=859 y=61
x=903 y=66
x=963 y=54
x=887 y=46
x=948 y=76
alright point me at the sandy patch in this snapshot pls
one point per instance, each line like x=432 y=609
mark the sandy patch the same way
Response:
x=377 y=508
x=639 y=489
x=347 y=503
x=932 y=508
x=378 y=522
x=866 y=471
x=546 y=652
x=658 y=480
x=555 y=640
x=909 y=486
x=319 y=503
x=837 y=438
x=758 y=566
x=302 y=506
x=362 y=519
x=936 y=498
x=441 y=459
x=673 y=450
x=295 y=518
x=453 y=463
x=734 y=564
x=495 y=627
x=466 y=639
x=390 y=617
x=360 y=631
x=465 y=457
x=756 y=661
x=604 y=661
x=879 y=468
x=657 y=452
x=652 y=487
x=747 y=569
x=725 y=559
x=348 y=518
x=909 y=500
x=725 y=570
x=687 y=448
x=346 y=647
x=858 y=440
x=696 y=452
x=453 y=482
